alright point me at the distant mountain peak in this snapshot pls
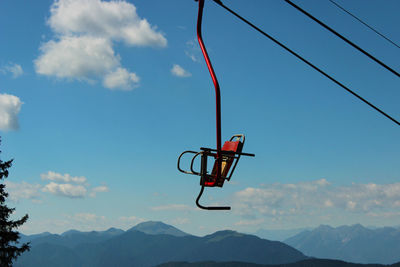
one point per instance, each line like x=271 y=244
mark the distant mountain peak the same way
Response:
x=324 y=227
x=354 y=226
x=157 y=228
x=354 y=243
x=70 y=232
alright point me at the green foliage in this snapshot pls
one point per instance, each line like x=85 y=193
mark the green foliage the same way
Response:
x=9 y=250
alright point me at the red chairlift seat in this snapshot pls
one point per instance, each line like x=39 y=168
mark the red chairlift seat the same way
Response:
x=230 y=155
x=235 y=145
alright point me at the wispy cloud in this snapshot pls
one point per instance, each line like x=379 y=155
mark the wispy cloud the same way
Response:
x=83 y=45
x=23 y=190
x=66 y=185
x=179 y=71
x=99 y=189
x=116 y=20
x=63 y=185
x=65 y=178
x=10 y=107
x=65 y=190
x=13 y=68
x=317 y=197
x=121 y=79
x=77 y=57
x=192 y=51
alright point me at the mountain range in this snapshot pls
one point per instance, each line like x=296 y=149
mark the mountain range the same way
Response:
x=149 y=244
x=154 y=243
x=354 y=243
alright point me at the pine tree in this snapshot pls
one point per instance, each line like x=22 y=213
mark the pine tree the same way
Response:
x=9 y=250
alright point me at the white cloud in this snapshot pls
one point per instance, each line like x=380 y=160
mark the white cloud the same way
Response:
x=23 y=190
x=82 y=58
x=99 y=189
x=317 y=197
x=13 y=68
x=66 y=190
x=10 y=106
x=177 y=207
x=83 y=47
x=63 y=185
x=66 y=185
x=192 y=56
x=121 y=79
x=192 y=50
x=64 y=178
x=117 y=20
x=179 y=71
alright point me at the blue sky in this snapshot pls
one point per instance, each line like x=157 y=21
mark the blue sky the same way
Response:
x=99 y=98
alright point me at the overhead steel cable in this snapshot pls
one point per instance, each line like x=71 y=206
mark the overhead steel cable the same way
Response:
x=307 y=62
x=365 y=24
x=343 y=38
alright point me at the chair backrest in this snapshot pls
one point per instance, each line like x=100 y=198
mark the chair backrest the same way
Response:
x=227 y=161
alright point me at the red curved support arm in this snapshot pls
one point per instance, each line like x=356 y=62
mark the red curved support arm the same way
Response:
x=217 y=93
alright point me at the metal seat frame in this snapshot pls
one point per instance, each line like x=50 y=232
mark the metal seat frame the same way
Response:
x=215 y=178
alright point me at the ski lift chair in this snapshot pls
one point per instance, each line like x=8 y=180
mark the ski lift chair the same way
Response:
x=223 y=168
x=227 y=156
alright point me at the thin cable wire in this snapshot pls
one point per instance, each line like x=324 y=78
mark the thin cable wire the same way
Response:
x=307 y=62
x=343 y=38
x=364 y=23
